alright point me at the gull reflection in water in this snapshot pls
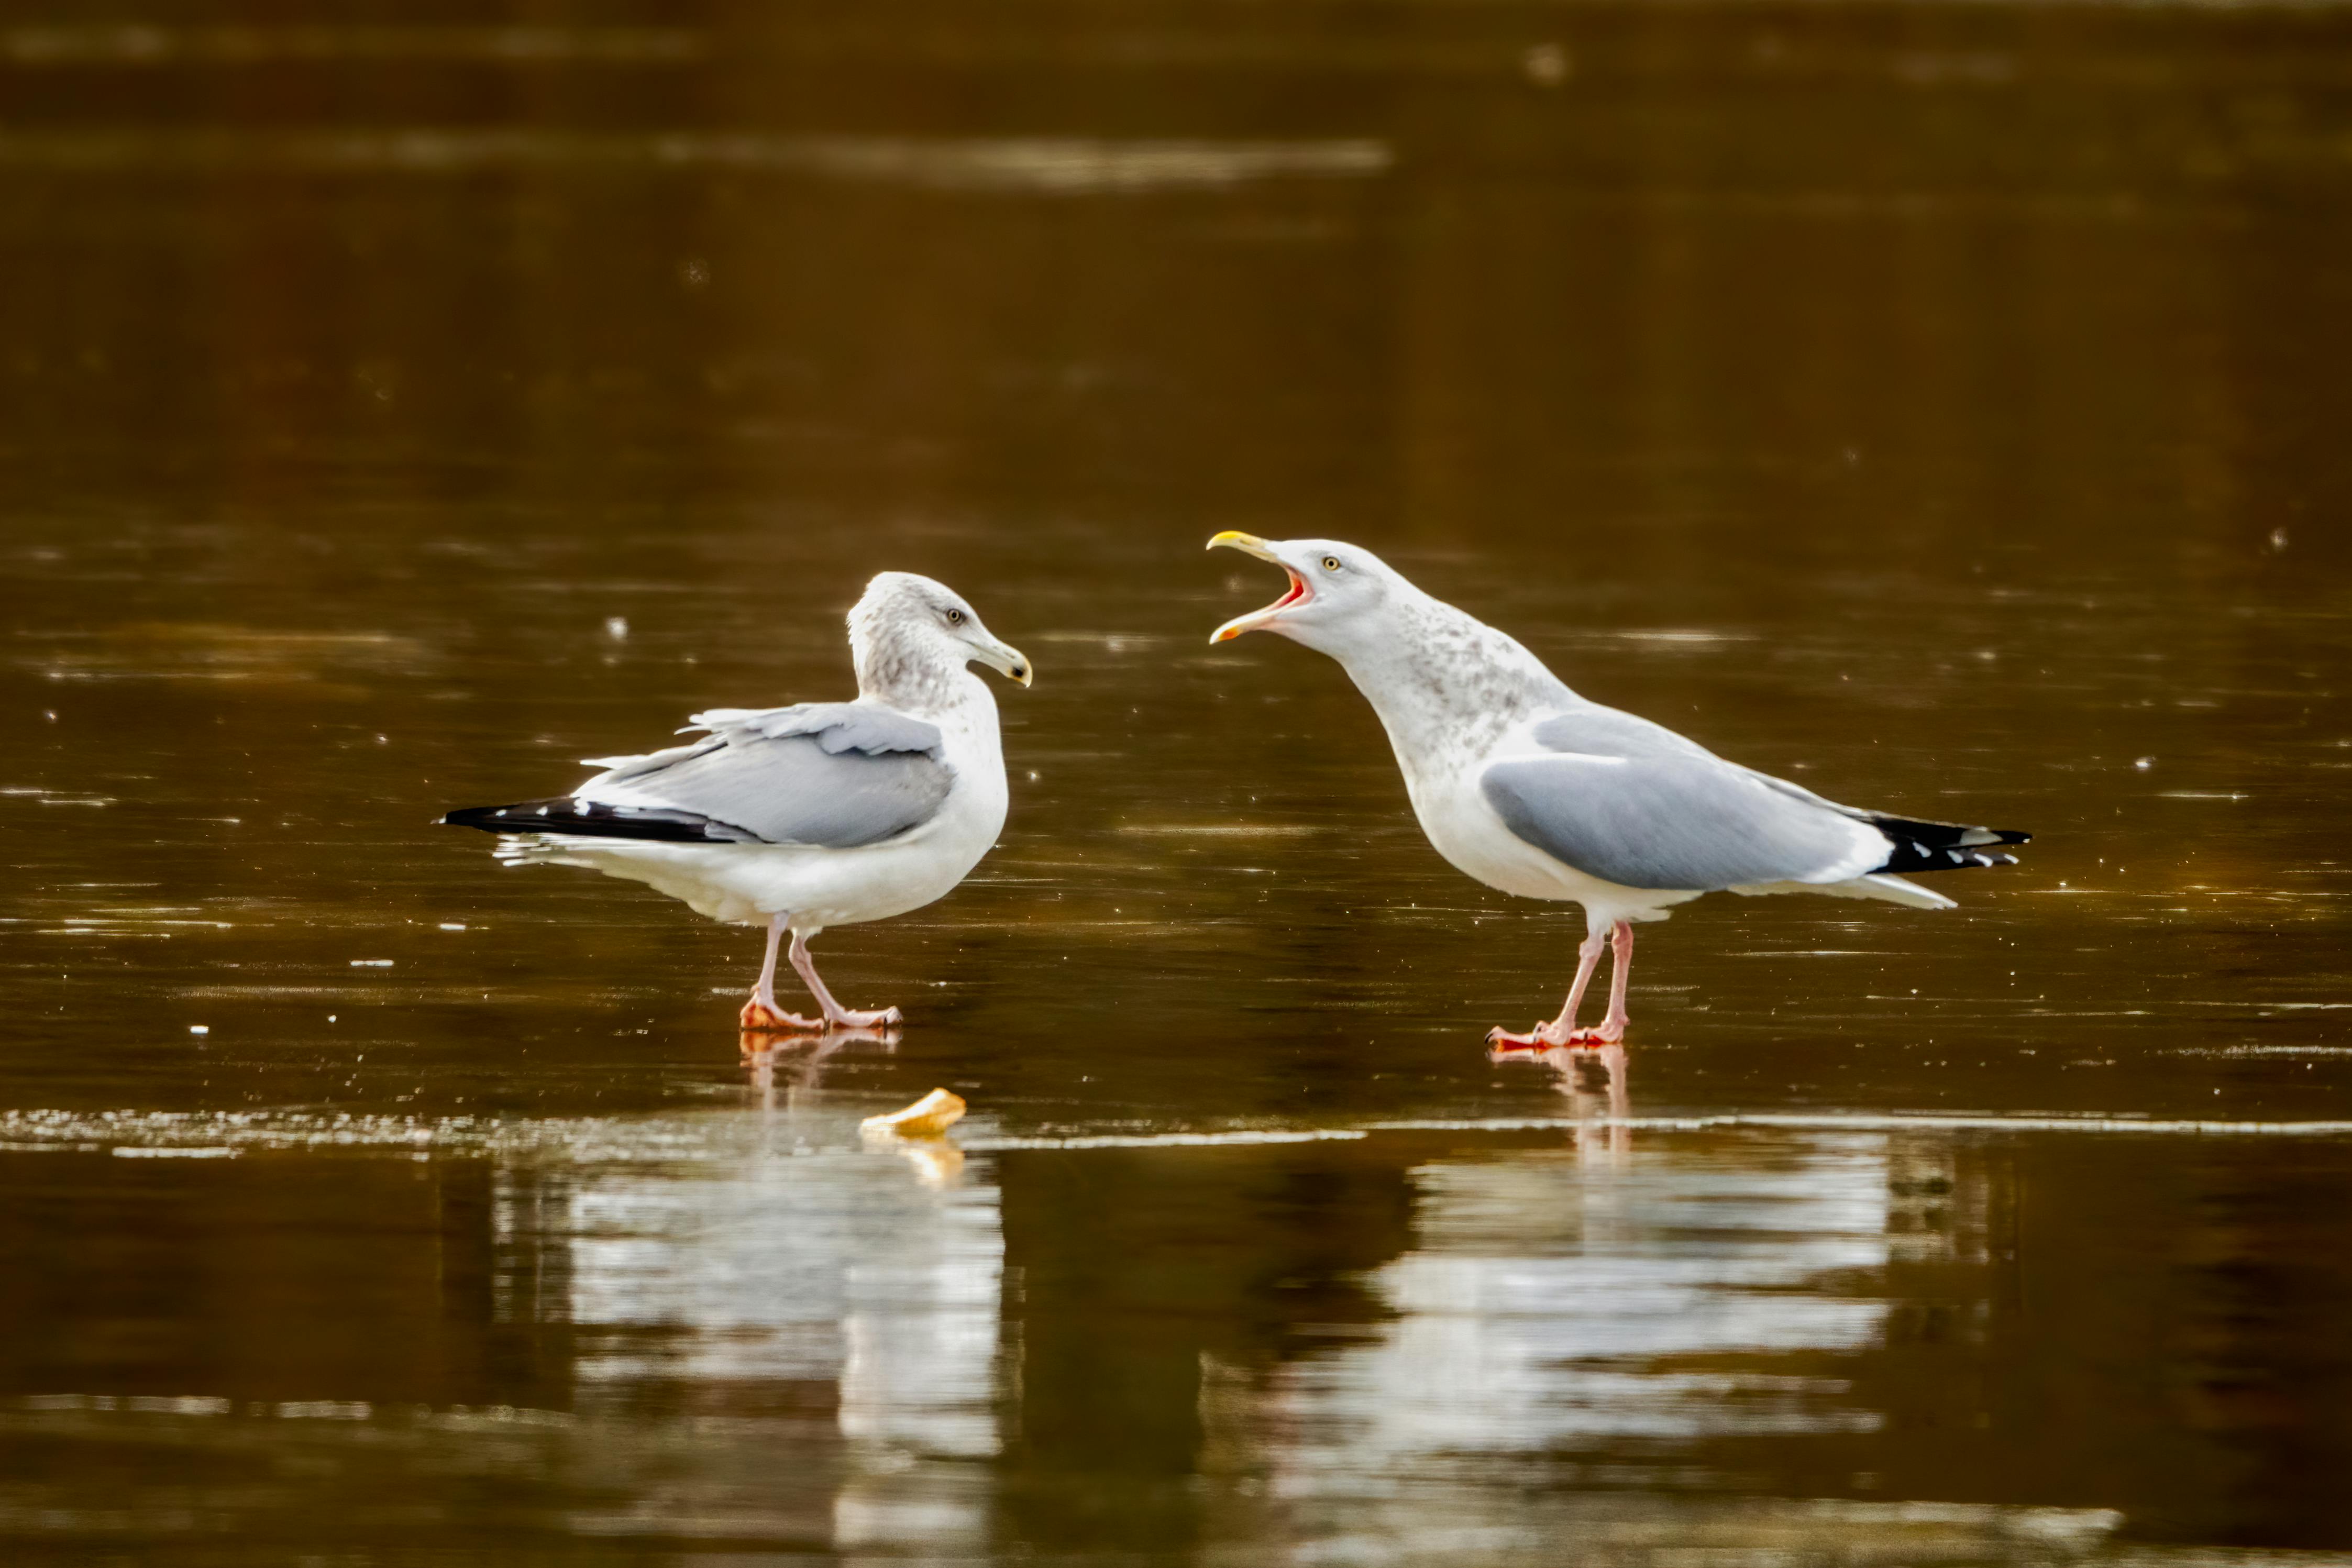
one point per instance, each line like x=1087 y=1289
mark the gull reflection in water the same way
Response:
x=790 y=1268
x=1565 y=1298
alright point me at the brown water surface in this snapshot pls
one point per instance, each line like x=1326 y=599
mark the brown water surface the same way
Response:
x=1939 y=406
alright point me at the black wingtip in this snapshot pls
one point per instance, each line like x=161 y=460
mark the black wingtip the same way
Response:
x=573 y=818
x=1920 y=846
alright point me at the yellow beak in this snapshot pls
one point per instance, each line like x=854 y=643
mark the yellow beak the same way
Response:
x=1247 y=544
x=1006 y=660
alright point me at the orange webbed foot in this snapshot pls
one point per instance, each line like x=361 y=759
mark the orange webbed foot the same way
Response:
x=1540 y=1038
x=757 y=1018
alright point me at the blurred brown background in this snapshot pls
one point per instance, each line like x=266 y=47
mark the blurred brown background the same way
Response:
x=1939 y=403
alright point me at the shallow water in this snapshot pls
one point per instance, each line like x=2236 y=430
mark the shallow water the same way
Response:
x=1936 y=405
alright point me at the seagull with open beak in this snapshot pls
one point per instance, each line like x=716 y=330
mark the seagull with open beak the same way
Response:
x=1531 y=789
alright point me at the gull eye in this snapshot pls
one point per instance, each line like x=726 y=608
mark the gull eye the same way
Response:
x=955 y=617
x=1330 y=564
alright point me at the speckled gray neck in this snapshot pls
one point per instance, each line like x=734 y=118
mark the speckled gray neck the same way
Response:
x=1438 y=677
x=900 y=656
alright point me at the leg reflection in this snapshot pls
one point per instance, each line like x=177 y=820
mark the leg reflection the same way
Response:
x=1594 y=1078
x=802 y=1059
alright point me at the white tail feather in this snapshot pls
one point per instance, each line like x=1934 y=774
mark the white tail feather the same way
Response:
x=1877 y=885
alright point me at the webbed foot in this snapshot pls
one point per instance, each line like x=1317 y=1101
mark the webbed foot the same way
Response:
x=758 y=1017
x=883 y=1018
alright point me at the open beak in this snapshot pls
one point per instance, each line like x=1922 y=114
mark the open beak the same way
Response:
x=1005 y=659
x=1297 y=594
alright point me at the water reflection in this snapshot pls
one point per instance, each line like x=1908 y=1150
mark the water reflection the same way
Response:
x=766 y=1331
x=799 y=1265
x=1555 y=1301
x=1595 y=1080
x=783 y=1070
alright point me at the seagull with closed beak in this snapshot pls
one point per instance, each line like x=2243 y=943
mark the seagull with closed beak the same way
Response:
x=820 y=815
x=1528 y=787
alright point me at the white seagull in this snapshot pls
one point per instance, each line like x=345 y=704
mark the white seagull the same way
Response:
x=820 y=815
x=1532 y=789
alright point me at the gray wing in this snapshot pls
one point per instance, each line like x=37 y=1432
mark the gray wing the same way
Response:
x=1632 y=803
x=836 y=774
x=838 y=727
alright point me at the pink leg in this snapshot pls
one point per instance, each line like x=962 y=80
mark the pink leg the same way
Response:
x=1562 y=1029
x=761 y=1013
x=1613 y=1027
x=835 y=1015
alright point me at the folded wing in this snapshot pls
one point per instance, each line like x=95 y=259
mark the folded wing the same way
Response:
x=834 y=775
x=1628 y=802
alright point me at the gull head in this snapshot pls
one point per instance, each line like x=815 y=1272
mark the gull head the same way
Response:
x=908 y=632
x=1337 y=596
